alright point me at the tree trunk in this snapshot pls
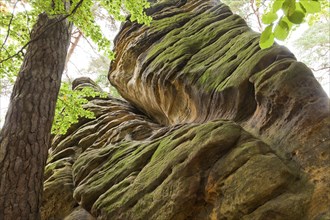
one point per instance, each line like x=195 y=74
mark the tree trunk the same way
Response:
x=25 y=137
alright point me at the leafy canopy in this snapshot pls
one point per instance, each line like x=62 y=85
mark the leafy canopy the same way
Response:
x=16 y=23
x=283 y=15
x=17 y=20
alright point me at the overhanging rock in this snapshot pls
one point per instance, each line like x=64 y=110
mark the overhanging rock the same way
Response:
x=214 y=128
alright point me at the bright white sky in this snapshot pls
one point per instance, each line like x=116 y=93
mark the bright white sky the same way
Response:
x=84 y=53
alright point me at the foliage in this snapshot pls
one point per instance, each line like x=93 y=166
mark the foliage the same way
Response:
x=283 y=15
x=15 y=25
x=69 y=107
x=14 y=33
x=313 y=45
x=16 y=21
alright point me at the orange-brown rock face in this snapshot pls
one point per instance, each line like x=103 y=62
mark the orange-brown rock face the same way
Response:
x=214 y=127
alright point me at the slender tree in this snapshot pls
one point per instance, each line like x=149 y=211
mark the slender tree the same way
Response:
x=25 y=136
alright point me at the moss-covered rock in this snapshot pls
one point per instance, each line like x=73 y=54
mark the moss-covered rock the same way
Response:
x=214 y=128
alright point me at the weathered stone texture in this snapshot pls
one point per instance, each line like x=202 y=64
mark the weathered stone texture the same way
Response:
x=214 y=128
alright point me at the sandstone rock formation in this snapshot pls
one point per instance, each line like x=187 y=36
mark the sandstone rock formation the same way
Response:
x=213 y=128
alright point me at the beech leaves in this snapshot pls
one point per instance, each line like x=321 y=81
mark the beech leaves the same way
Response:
x=293 y=12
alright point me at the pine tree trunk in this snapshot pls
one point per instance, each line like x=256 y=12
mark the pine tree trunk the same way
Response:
x=25 y=137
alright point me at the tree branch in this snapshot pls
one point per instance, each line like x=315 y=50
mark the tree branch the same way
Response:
x=72 y=48
x=90 y=44
x=27 y=17
x=322 y=68
x=74 y=65
x=257 y=14
x=246 y=17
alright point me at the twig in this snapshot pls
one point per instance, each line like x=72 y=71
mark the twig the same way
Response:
x=72 y=48
x=256 y=12
x=74 y=65
x=90 y=44
x=27 y=17
x=75 y=31
x=246 y=17
x=322 y=68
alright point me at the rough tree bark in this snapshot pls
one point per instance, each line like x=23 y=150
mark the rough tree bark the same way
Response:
x=25 y=137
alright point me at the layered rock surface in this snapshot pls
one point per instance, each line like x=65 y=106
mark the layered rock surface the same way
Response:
x=214 y=128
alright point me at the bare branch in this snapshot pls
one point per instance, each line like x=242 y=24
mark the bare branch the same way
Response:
x=74 y=65
x=72 y=48
x=90 y=44
x=322 y=68
x=27 y=16
x=257 y=13
x=248 y=15
x=76 y=30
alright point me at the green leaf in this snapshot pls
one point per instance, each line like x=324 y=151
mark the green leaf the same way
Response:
x=311 y=6
x=281 y=30
x=258 y=3
x=300 y=7
x=289 y=23
x=277 y=5
x=267 y=37
x=289 y=7
x=269 y=18
x=297 y=17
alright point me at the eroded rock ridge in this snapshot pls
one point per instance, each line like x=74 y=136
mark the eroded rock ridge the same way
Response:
x=213 y=128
